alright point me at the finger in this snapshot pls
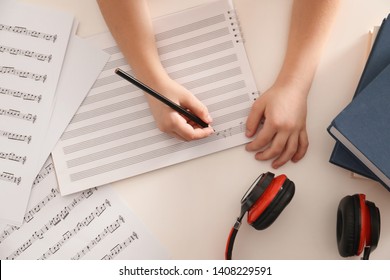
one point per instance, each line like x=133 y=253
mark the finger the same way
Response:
x=196 y=125
x=303 y=145
x=198 y=108
x=289 y=151
x=200 y=133
x=177 y=136
x=188 y=132
x=263 y=138
x=276 y=148
x=254 y=119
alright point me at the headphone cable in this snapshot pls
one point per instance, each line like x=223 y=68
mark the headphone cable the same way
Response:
x=231 y=238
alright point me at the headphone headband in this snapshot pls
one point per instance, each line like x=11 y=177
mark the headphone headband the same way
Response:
x=255 y=191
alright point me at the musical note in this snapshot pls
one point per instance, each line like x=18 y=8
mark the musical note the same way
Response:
x=20 y=94
x=224 y=133
x=26 y=53
x=19 y=115
x=108 y=230
x=231 y=131
x=13 y=157
x=26 y=245
x=31 y=213
x=120 y=247
x=100 y=209
x=10 y=177
x=22 y=74
x=64 y=213
x=24 y=31
x=71 y=233
x=255 y=95
x=67 y=235
x=39 y=234
x=15 y=136
x=7 y=232
x=43 y=173
x=51 y=230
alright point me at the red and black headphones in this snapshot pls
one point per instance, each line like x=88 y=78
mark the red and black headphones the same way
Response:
x=358 y=226
x=264 y=201
x=358 y=220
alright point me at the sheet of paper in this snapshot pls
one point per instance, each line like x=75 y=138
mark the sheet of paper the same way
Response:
x=31 y=57
x=113 y=135
x=72 y=88
x=93 y=224
x=83 y=64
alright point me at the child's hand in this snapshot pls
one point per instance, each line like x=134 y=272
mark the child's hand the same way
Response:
x=171 y=122
x=283 y=135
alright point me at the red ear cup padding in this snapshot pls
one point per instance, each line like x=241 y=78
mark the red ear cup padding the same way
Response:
x=271 y=203
x=365 y=224
x=266 y=198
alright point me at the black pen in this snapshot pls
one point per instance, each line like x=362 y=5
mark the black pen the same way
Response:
x=162 y=98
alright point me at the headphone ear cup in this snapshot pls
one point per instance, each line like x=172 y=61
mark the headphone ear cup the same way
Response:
x=375 y=222
x=348 y=228
x=272 y=212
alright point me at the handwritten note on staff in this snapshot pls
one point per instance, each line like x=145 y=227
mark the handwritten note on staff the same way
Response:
x=32 y=53
x=93 y=224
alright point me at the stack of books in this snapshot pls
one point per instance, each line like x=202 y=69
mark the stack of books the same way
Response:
x=362 y=128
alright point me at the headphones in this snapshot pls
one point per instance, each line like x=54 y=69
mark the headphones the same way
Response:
x=358 y=220
x=358 y=226
x=264 y=201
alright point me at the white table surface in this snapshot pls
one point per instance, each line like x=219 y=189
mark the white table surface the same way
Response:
x=191 y=207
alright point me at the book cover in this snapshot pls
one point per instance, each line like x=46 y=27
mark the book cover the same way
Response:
x=378 y=59
x=363 y=127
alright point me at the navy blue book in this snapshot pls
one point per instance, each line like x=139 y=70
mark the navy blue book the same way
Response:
x=363 y=127
x=378 y=59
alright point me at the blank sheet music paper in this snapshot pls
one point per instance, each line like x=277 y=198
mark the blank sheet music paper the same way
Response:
x=31 y=58
x=113 y=135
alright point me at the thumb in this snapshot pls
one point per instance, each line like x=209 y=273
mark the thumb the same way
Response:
x=255 y=118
